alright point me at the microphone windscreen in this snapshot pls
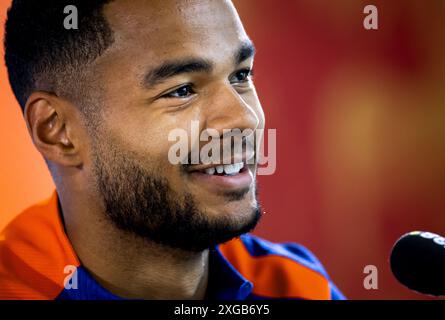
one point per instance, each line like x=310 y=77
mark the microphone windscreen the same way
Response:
x=418 y=262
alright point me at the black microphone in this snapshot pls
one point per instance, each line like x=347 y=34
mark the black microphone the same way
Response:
x=418 y=262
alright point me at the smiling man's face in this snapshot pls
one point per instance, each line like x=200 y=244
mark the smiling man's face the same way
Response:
x=173 y=62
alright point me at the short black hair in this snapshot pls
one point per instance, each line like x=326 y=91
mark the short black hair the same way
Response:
x=40 y=54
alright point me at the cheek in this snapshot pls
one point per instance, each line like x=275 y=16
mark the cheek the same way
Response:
x=152 y=150
x=253 y=101
x=147 y=146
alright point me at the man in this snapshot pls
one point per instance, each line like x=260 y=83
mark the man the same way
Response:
x=99 y=102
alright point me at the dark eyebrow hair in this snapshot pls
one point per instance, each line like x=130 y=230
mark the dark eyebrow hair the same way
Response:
x=177 y=67
x=247 y=50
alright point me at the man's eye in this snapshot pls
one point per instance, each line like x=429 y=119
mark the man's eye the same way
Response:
x=182 y=92
x=242 y=76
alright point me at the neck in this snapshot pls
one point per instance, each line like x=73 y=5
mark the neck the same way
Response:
x=127 y=265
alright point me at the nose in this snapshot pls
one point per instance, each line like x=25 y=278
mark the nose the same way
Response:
x=228 y=110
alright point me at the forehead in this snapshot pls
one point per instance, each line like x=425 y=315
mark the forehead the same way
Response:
x=156 y=30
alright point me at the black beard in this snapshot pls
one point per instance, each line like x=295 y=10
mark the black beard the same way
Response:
x=138 y=202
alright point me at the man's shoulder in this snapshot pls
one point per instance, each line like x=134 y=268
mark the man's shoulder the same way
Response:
x=33 y=253
x=280 y=269
x=28 y=221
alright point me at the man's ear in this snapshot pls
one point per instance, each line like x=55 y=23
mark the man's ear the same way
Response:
x=52 y=129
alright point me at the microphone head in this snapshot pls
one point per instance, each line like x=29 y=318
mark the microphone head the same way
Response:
x=418 y=262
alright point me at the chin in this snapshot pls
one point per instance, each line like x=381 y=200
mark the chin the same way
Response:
x=239 y=211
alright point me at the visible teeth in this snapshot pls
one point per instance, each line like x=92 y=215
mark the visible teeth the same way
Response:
x=233 y=168
x=229 y=169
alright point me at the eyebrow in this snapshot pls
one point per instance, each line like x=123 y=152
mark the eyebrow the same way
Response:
x=174 y=68
x=246 y=51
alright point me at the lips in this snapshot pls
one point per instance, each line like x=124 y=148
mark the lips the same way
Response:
x=224 y=177
x=223 y=182
x=227 y=176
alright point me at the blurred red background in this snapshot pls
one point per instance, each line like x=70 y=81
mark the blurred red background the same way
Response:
x=360 y=119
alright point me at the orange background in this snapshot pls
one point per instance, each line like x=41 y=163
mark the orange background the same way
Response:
x=360 y=119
